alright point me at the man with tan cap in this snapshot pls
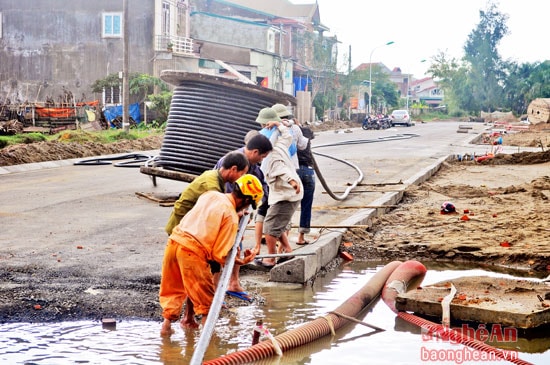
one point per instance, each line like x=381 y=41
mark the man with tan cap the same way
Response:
x=285 y=187
x=299 y=142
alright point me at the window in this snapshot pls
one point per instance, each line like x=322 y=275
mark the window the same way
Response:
x=112 y=25
x=112 y=95
x=165 y=24
x=270 y=46
x=0 y=25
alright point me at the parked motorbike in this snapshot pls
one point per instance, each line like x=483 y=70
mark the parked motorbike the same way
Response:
x=384 y=122
x=370 y=123
x=380 y=122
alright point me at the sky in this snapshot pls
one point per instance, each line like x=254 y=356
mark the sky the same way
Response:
x=421 y=29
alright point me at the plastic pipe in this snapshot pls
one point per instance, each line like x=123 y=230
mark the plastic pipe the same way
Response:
x=316 y=328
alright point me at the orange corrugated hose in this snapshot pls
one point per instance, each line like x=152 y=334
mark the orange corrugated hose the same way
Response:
x=458 y=337
x=317 y=328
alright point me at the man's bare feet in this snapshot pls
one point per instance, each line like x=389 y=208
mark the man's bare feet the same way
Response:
x=166 y=330
x=188 y=319
x=188 y=322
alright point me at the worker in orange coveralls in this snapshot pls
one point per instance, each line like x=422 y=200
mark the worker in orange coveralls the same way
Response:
x=206 y=233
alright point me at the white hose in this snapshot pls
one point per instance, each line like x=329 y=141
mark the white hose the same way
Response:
x=217 y=302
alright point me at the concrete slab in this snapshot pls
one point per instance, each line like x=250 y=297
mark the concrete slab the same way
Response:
x=514 y=303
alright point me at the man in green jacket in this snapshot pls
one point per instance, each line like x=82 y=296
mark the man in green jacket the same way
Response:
x=235 y=165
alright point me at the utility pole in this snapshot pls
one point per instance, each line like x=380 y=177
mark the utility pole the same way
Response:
x=281 y=74
x=349 y=60
x=125 y=83
x=370 y=73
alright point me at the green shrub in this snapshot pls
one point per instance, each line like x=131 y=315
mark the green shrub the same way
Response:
x=25 y=138
x=123 y=135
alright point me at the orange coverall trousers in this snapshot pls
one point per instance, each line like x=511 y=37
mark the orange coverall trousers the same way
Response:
x=184 y=274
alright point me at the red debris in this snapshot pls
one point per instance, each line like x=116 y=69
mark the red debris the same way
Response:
x=346 y=256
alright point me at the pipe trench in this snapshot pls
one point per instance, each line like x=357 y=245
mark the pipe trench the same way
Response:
x=316 y=328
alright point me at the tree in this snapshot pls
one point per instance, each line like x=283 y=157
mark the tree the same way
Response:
x=144 y=84
x=113 y=80
x=161 y=104
x=486 y=69
x=451 y=75
x=481 y=80
x=517 y=88
x=384 y=92
x=526 y=82
x=141 y=85
x=539 y=81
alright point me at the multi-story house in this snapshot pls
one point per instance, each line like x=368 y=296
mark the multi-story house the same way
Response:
x=51 y=47
x=282 y=39
x=426 y=91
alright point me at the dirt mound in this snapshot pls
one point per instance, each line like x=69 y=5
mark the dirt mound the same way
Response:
x=536 y=136
x=58 y=150
x=524 y=158
x=333 y=125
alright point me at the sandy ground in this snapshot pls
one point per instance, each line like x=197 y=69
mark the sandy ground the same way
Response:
x=502 y=214
x=502 y=219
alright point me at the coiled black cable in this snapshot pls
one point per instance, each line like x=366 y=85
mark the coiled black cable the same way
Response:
x=209 y=116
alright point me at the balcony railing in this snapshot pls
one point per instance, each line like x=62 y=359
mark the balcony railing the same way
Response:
x=178 y=45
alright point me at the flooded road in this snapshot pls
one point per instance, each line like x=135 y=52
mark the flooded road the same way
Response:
x=286 y=307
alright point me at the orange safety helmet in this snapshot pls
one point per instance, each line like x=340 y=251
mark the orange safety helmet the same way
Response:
x=251 y=187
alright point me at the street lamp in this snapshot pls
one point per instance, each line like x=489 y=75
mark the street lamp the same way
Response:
x=409 y=85
x=370 y=72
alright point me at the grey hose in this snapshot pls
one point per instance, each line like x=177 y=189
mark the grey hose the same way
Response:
x=344 y=196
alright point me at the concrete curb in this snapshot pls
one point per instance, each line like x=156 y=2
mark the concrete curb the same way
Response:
x=36 y=166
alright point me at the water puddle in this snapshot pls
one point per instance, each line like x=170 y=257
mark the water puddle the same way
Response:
x=286 y=307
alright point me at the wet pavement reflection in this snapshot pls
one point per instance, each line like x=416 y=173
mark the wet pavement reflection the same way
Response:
x=286 y=307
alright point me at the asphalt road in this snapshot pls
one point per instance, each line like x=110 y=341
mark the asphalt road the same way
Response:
x=89 y=217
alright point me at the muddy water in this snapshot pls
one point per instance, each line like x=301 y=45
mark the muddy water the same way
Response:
x=286 y=307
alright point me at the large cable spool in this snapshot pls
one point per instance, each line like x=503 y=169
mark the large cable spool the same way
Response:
x=209 y=116
x=538 y=111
